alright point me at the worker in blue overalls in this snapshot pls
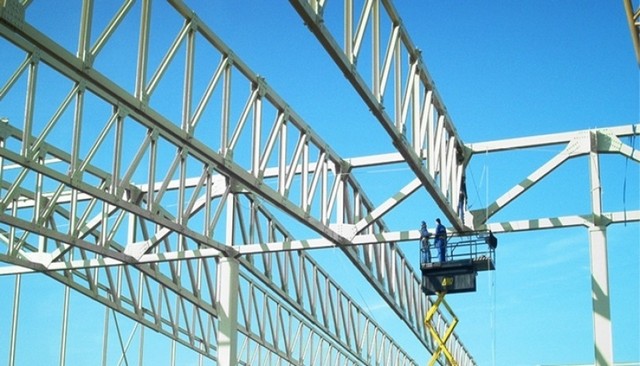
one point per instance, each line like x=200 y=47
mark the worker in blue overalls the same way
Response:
x=441 y=240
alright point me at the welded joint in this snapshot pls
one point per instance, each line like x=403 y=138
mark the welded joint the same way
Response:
x=600 y=220
x=463 y=153
x=75 y=176
x=143 y=106
x=87 y=62
x=193 y=22
x=580 y=144
x=286 y=113
x=415 y=56
x=184 y=152
x=344 y=167
x=235 y=186
x=230 y=59
x=317 y=7
x=154 y=134
x=607 y=141
x=346 y=231
x=134 y=194
x=121 y=110
x=137 y=249
x=261 y=86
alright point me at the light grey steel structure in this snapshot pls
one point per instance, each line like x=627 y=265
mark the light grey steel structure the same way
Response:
x=174 y=219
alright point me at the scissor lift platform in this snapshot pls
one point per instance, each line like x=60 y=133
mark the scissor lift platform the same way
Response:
x=466 y=258
x=467 y=255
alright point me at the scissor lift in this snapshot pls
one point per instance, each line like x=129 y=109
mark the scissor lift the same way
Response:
x=467 y=254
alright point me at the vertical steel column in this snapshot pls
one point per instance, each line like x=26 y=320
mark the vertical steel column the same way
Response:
x=65 y=326
x=105 y=336
x=227 y=292
x=602 y=335
x=141 y=347
x=14 y=322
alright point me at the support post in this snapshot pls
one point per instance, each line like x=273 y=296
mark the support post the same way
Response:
x=14 y=322
x=228 y=286
x=602 y=337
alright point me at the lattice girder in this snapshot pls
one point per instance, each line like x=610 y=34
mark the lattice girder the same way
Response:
x=413 y=114
x=104 y=191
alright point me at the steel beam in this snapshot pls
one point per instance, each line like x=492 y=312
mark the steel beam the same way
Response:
x=602 y=332
x=615 y=132
x=414 y=115
x=228 y=288
x=578 y=143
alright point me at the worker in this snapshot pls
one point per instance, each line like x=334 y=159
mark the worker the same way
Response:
x=462 y=198
x=492 y=241
x=441 y=240
x=425 y=252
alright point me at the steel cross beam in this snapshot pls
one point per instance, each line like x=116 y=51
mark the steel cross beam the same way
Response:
x=413 y=113
x=577 y=143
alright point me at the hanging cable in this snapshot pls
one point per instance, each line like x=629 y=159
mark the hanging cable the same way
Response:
x=486 y=191
x=475 y=184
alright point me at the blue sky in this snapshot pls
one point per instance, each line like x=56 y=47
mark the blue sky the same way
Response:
x=504 y=69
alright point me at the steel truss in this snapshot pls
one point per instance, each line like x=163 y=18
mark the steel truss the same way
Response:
x=586 y=143
x=413 y=113
x=105 y=192
x=173 y=219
